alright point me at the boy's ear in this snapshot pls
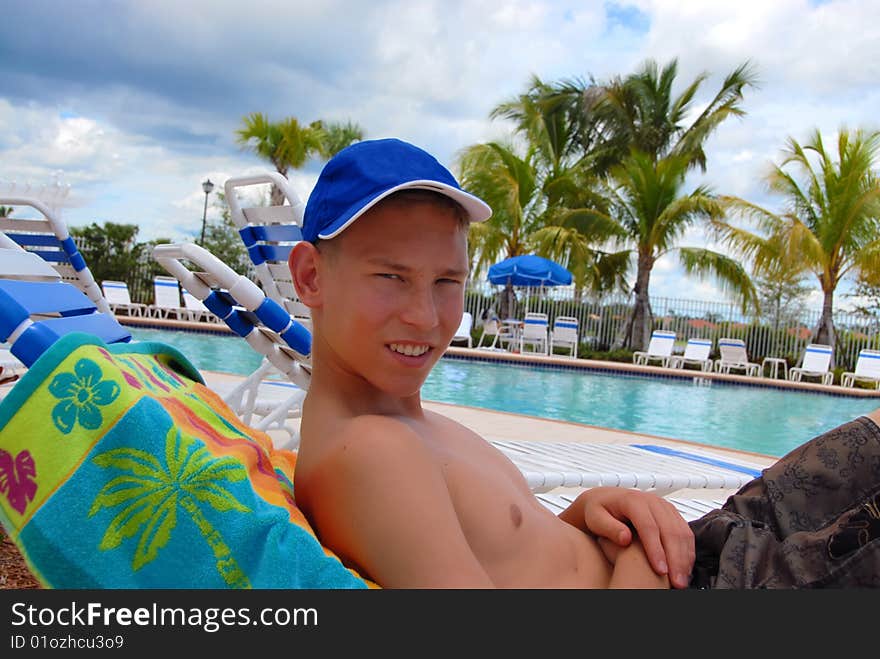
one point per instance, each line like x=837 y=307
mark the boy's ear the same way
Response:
x=303 y=264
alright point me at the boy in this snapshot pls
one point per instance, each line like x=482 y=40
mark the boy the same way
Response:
x=408 y=497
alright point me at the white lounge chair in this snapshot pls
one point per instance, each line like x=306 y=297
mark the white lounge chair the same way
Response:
x=267 y=327
x=867 y=369
x=269 y=233
x=696 y=352
x=816 y=362
x=166 y=298
x=659 y=349
x=463 y=333
x=535 y=334
x=501 y=335
x=119 y=298
x=734 y=357
x=49 y=238
x=195 y=308
x=660 y=469
x=565 y=334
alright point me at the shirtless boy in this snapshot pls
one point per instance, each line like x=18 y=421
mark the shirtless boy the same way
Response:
x=408 y=497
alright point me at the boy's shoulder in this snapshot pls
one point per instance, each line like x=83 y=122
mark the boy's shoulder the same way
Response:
x=358 y=450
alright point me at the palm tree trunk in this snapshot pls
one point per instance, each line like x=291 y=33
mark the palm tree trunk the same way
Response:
x=825 y=330
x=227 y=566
x=636 y=331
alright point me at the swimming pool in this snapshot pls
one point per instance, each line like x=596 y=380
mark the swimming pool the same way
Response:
x=760 y=419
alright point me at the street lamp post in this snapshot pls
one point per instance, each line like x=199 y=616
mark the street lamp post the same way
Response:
x=207 y=186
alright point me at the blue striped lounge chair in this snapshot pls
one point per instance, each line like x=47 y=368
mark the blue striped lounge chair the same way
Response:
x=816 y=363
x=734 y=357
x=659 y=349
x=565 y=334
x=49 y=238
x=696 y=352
x=867 y=369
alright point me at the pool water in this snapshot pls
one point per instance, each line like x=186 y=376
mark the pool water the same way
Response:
x=759 y=419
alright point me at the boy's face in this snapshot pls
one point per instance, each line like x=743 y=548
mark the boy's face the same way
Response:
x=392 y=293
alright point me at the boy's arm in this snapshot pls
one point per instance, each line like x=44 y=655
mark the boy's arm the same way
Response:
x=631 y=567
x=381 y=502
x=666 y=538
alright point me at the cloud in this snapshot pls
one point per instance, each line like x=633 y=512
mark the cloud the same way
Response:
x=134 y=104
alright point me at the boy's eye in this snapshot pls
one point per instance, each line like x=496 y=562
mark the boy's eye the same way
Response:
x=388 y=275
x=448 y=281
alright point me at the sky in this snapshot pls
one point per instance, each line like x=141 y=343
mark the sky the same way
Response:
x=131 y=105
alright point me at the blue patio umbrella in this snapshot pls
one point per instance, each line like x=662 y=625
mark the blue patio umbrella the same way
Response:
x=529 y=270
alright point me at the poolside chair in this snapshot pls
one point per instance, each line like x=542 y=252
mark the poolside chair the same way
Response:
x=269 y=233
x=166 y=298
x=48 y=238
x=501 y=335
x=660 y=469
x=119 y=298
x=267 y=327
x=734 y=357
x=195 y=308
x=816 y=362
x=463 y=333
x=867 y=369
x=659 y=349
x=695 y=352
x=565 y=334
x=535 y=334
x=37 y=307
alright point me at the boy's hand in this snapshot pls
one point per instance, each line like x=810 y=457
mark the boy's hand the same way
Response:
x=666 y=538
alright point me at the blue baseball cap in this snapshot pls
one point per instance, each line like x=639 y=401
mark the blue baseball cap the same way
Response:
x=361 y=175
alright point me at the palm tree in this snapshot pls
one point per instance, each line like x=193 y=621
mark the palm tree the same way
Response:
x=288 y=144
x=649 y=215
x=150 y=493
x=6 y=211
x=641 y=112
x=831 y=222
x=529 y=193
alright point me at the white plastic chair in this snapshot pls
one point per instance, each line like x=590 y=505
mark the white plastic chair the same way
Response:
x=195 y=308
x=500 y=335
x=565 y=334
x=463 y=333
x=816 y=362
x=867 y=369
x=659 y=349
x=166 y=298
x=734 y=357
x=269 y=234
x=119 y=298
x=695 y=352
x=49 y=238
x=535 y=334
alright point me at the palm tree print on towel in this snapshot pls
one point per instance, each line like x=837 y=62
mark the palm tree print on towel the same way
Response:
x=150 y=493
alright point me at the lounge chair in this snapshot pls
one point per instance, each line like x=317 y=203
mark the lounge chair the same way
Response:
x=816 y=362
x=696 y=352
x=463 y=333
x=535 y=334
x=500 y=335
x=867 y=369
x=734 y=357
x=659 y=349
x=37 y=307
x=166 y=299
x=119 y=298
x=269 y=233
x=660 y=469
x=49 y=238
x=195 y=308
x=268 y=328
x=565 y=334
